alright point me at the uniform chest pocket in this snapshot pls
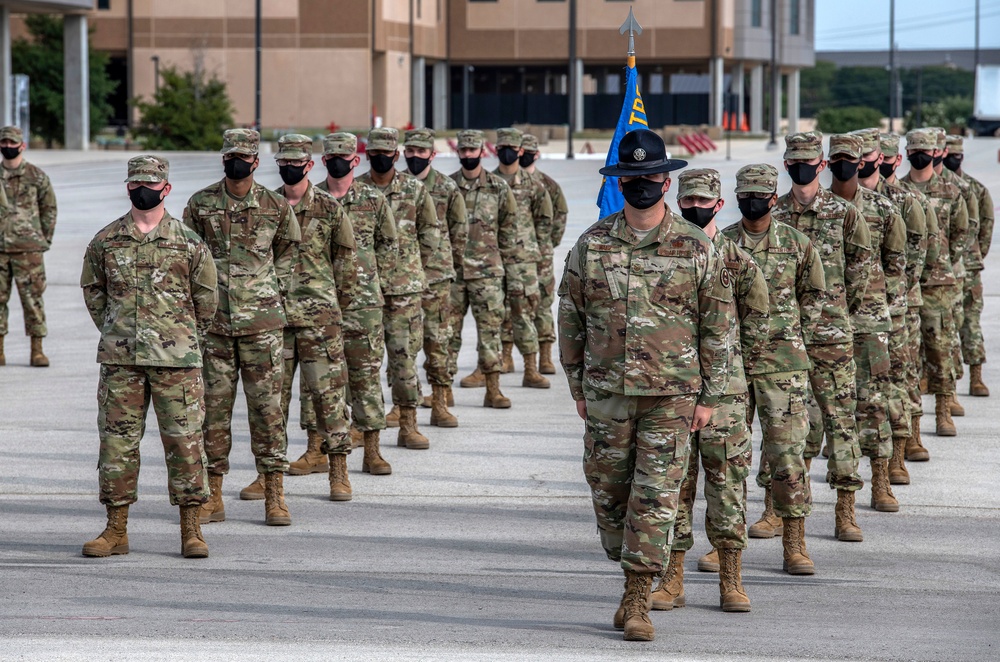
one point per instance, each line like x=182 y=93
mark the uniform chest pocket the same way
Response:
x=605 y=277
x=676 y=286
x=120 y=267
x=170 y=268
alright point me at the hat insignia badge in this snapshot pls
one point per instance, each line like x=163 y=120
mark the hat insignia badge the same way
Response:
x=639 y=154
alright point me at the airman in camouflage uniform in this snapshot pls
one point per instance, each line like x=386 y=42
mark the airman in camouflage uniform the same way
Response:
x=28 y=222
x=491 y=257
x=450 y=207
x=973 y=349
x=844 y=245
x=364 y=334
x=723 y=446
x=643 y=333
x=150 y=286
x=253 y=236
x=544 y=324
x=424 y=258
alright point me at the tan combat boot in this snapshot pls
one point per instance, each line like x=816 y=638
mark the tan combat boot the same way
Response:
x=732 y=597
x=619 y=620
x=956 y=407
x=846 y=527
x=915 y=451
x=474 y=380
x=3 y=357
x=275 y=511
x=809 y=464
x=392 y=418
x=898 y=475
x=976 y=386
x=340 y=483
x=38 y=358
x=192 y=544
x=357 y=437
x=769 y=524
x=638 y=627
x=545 y=365
x=709 y=562
x=942 y=416
x=440 y=416
x=254 y=491
x=373 y=462
x=313 y=461
x=494 y=398
x=114 y=538
x=424 y=401
x=883 y=500
x=409 y=436
x=213 y=510
x=533 y=378
x=449 y=396
x=793 y=539
x=670 y=593
x=507 y=358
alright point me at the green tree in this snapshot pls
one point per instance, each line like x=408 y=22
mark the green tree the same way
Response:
x=848 y=118
x=816 y=84
x=189 y=112
x=40 y=56
x=950 y=113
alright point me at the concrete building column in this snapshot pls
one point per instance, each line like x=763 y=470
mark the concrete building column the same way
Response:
x=76 y=77
x=6 y=116
x=736 y=88
x=716 y=91
x=418 y=87
x=757 y=98
x=794 y=101
x=441 y=96
x=578 y=75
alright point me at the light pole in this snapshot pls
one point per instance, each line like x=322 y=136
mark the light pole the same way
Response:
x=572 y=78
x=775 y=101
x=256 y=115
x=892 y=60
x=156 y=74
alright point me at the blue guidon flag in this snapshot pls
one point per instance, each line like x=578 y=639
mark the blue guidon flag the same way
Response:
x=633 y=116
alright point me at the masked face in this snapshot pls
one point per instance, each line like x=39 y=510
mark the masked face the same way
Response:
x=292 y=174
x=470 y=163
x=338 y=167
x=938 y=160
x=507 y=155
x=416 y=164
x=953 y=162
x=700 y=216
x=642 y=193
x=754 y=209
x=887 y=169
x=803 y=174
x=843 y=170
x=919 y=160
x=527 y=159
x=381 y=163
x=10 y=153
x=144 y=198
x=867 y=169
x=237 y=169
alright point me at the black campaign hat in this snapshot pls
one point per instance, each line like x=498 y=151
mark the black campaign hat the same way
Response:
x=642 y=152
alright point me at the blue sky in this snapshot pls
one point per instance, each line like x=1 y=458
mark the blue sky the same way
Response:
x=864 y=24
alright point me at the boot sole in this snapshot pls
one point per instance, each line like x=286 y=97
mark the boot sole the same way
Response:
x=919 y=457
x=446 y=424
x=318 y=469
x=523 y=385
x=849 y=537
x=639 y=636
x=341 y=497
x=414 y=447
x=799 y=569
x=975 y=395
x=546 y=371
x=278 y=521
x=899 y=481
x=735 y=609
x=251 y=496
x=947 y=433
x=39 y=365
x=100 y=553
x=886 y=508
x=763 y=534
x=491 y=405
x=662 y=605
x=200 y=554
x=392 y=424
x=379 y=472
x=708 y=567
x=483 y=385
x=214 y=517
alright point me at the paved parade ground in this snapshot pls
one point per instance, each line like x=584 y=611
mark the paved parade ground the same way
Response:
x=483 y=547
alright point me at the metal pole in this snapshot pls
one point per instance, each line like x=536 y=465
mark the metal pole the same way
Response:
x=892 y=60
x=572 y=79
x=156 y=74
x=465 y=95
x=413 y=92
x=775 y=102
x=920 y=97
x=256 y=114
x=130 y=62
x=976 y=64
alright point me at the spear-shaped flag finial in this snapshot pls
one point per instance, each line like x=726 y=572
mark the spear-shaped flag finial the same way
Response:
x=633 y=28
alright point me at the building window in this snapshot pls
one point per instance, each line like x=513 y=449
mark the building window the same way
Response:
x=419 y=8
x=104 y=4
x=482 y=0
x=756 y=11
x=794 y=16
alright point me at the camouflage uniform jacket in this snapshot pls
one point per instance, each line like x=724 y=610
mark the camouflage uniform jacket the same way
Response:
x=424 y=250
x=560 y=208
x=253 y=242
x=450 y=207
x=492 y=213
x=909 y=207
x=946 y=204
x=375 y=240
x=645 y=317
x=793 y=272
x=326 y=269
x=29 y=221
x=534 y=210
x=887 y=282
x=152 y=296
x=970 y=252
x=843 y=241
x=980 y=241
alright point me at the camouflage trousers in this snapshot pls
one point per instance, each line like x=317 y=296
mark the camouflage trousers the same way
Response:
x=871 y=354
x=27 y=271
x=401 y=321
x=319 y=352
x=634 y=457
x=832 y=403
x=257 y=359
x=486 y=298
x=544 y=322
x=519 y=318
x=937 y=328
x=914 y=367
x=436 y=305
x=899 y=388
x=726 y=453
x=779 y=400
x=958 y=312
x=973 y=348
x=178 y=397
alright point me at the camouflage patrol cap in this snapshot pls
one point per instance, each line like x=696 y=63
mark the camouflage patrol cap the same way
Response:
x=757 y=178
x=529 y=143
x=12 y=133
x=294 y=147
x=509 y=137
x=846 y=144
x=923 y=139
x=240 y=141
x=699 y=183
x=148 y=168
x=341 y=143
x=422 y=138
x=940 y=134
x=803 y=146
x=383 y=138
x=869 y=140
x=889 y=142
x=955 y=145
x=472 y=138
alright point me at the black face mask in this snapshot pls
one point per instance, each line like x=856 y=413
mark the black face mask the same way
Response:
x=470 y=162
x=700 y=216
x=642 y=193
x=507 y=155
x=938 y=160
x=867 y=169
x=754 y=209
x=803 y=174
x=843 y=170
x=527 y=159
x=237 y=169
x=145 y=198
x=919 y=160
x=381 y=163
x=10 y=153
x=417 y=164
x=953 y=162
x=338 y=167
x=887 y=169
x=292 y=174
